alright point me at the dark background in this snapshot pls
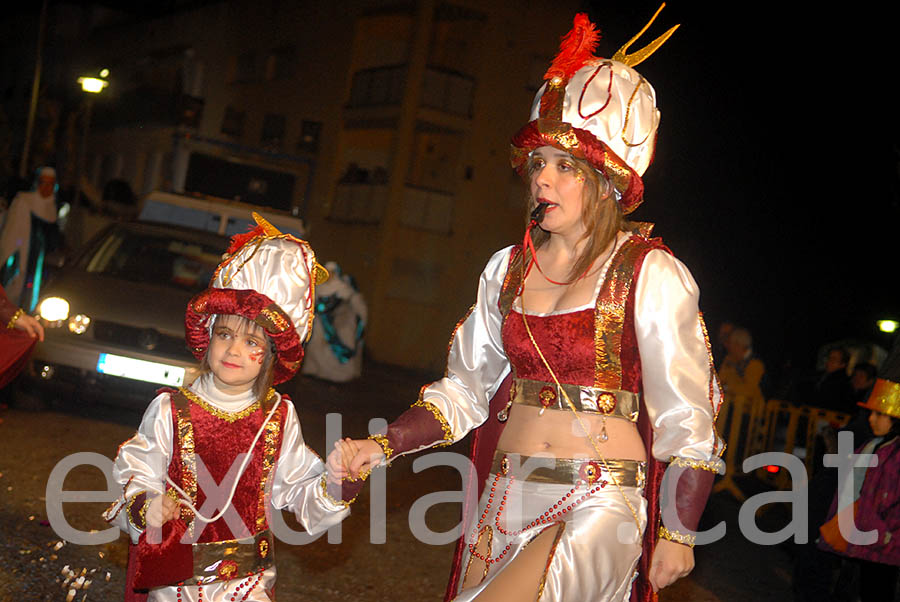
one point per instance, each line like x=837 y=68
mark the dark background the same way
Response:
x=776 y=170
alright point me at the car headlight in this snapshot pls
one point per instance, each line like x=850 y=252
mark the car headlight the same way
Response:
x=79 y=323
x=54 y=309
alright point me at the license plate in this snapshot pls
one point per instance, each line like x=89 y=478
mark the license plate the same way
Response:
x=151 y=372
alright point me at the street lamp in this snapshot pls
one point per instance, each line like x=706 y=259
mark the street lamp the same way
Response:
x=91 y=86
x=887 y=326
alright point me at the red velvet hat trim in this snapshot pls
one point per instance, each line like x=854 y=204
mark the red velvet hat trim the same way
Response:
x=253 y=306
x=581 y=144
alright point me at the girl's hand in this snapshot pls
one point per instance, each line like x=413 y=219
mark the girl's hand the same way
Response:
x=338 y=464
x=671 y=561
x=161 y=510
x=368 y=456
x=30 y=326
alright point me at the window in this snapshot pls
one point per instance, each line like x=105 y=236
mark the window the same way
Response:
x=233 y=122
x=378 y=86
x=309 y=136
x=242 y=68
x=281 y=63
x=273 y=130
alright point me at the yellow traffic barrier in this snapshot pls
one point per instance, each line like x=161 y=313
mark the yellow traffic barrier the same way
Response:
x=740 y=418
x=793 y=429
x=754 y=426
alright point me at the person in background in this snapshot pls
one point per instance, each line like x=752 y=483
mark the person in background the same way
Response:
x=16 y=339
x=862 y=380
x=741 y=372
x=28 y=230
x=832 y=390
x=721 y=347
x=876 y=494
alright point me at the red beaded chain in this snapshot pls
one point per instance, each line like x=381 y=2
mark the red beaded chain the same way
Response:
x=556 y=511
x=249 y=589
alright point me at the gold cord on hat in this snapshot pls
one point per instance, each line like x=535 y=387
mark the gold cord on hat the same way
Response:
x=637 y=57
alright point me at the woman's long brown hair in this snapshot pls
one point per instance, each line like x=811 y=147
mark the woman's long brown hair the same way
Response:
x=602 y=217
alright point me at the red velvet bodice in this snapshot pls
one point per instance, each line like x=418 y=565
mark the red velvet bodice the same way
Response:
x=219 y=444
x=566 y=340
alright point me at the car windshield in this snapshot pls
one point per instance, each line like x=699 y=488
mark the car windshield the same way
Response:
x=155 y=258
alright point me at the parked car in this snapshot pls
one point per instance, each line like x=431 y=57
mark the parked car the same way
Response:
x=114 y=316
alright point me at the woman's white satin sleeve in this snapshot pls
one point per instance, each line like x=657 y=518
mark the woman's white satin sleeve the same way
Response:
x=477 y=363
x=296 y=485
x=143 y=461
x=680 y=391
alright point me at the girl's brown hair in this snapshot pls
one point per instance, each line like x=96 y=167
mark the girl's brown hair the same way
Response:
x=600 y=213
x=266 y=376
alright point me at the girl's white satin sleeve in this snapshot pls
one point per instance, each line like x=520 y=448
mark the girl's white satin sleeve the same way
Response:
x=680 y=391
x=296 y=485
x=143 y=461
x=477 y=363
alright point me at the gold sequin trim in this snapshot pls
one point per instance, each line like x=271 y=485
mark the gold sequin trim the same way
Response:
x=682 y=538
x=188 y=460
x=15 y=318
x=323 y=483
x=455 y=329
x=218 y=413
x=707 y=465
x=271 y=445
x=276 y=317
x=556 y=539
x=609 y=315
x=714 y=386
x=385 y=445
x=445 y=426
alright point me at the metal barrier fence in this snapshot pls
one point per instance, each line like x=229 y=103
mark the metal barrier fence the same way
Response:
x=756 y=426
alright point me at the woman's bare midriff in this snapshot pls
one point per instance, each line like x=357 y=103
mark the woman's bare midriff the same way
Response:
x=558 y=432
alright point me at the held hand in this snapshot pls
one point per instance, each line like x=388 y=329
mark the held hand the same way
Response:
x=339 y=459
x=671 y=561
x=30 y=326
x=162 y=509
x=369 y=455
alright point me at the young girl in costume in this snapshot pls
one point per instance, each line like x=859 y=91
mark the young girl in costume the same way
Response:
x=876 y=493
x=210 y=461
x=585 y=356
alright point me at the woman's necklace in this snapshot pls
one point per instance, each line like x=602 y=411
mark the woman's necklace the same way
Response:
x=587 y=431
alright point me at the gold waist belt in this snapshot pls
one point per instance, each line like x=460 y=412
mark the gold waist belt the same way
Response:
x=232 y=559
x=615 y=403
x=569 y=471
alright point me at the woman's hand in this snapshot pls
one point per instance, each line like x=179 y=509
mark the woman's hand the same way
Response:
x=352 y=457
x=30 y=326
x=161 y=510
x=671 y=561
x=338 y=464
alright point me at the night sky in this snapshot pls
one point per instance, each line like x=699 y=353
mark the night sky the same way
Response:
x=776 y=171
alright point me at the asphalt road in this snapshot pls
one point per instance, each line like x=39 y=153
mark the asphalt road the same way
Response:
x=404 y=569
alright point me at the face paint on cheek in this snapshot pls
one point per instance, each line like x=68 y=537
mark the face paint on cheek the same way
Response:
x=579 y=176
x=258 y=356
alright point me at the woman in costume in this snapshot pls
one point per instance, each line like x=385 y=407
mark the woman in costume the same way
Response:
x=583 y=366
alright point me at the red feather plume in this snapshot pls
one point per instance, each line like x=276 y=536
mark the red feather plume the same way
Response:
x=239 y=240
x=575 y=49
